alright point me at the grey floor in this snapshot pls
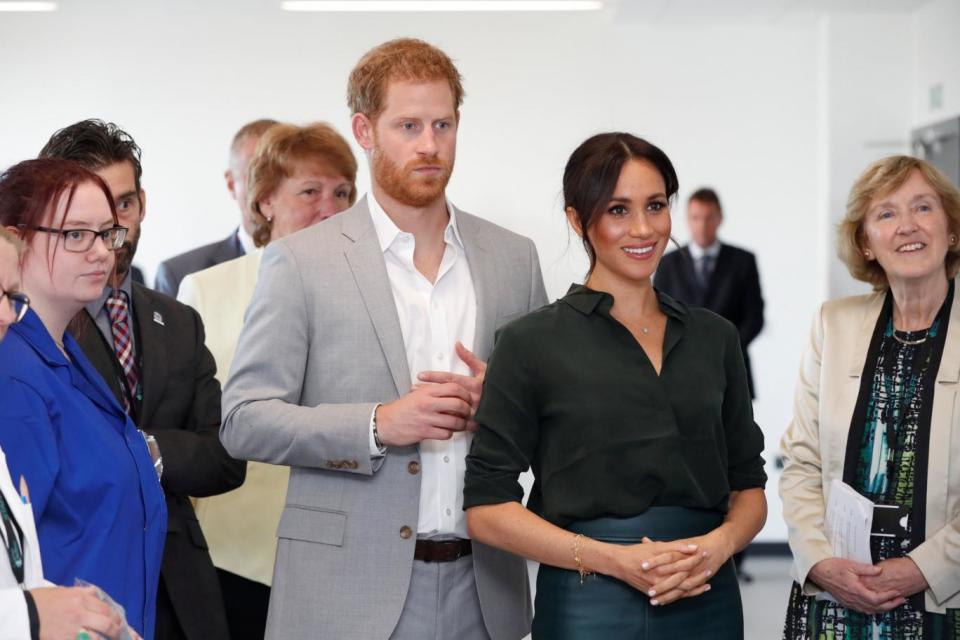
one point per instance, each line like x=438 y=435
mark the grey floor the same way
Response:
x=764 y=599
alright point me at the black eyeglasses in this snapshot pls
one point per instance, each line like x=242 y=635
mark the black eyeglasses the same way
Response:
x=81 y=240
x=19 y=302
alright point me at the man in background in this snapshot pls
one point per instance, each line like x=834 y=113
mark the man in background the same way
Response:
x=717 y=276
x=150 y=350
x=170 y=272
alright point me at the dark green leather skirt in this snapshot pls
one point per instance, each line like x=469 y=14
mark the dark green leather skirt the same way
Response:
x=604 y=608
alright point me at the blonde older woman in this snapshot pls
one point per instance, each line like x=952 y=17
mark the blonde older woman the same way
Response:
x=299 y=176
x=877 y=407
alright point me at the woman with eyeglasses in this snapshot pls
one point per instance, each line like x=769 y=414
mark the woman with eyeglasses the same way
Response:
x=95 y=496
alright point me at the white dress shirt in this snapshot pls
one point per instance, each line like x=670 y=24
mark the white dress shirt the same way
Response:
x=246 y=240
x=697 y=252
x=433 y=317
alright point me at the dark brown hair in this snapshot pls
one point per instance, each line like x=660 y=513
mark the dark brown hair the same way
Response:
x=593 y=170
x=706 y=195
x=95 y=144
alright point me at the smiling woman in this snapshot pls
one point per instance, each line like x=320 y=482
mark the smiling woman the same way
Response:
x=633 y=412
x=872 y=411
x=98 y=505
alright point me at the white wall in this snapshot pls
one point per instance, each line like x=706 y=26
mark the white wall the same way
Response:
x=935 y=61
x=736 y=108
x=868 y=83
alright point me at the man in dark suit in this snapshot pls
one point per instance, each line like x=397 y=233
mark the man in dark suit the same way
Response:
x=240 y=242
x=714 y=275
x=150 y=350
x=720 y=277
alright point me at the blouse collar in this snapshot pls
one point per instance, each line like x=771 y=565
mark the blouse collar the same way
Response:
x=587 y=301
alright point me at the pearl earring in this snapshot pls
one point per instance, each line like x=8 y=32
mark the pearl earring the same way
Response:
x=866 y=254
x=953 y=239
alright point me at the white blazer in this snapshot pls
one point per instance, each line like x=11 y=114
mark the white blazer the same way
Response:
x=14 y=623
x=241 y=525
x=815 y=444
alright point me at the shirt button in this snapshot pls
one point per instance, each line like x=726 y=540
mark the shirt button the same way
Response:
x=446 y=458
x=413 y=467
x=449 y=512
x=406 y=532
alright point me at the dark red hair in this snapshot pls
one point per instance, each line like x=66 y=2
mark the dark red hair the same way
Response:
x=30 y=189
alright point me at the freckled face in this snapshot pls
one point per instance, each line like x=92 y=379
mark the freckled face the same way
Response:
x=415 y=142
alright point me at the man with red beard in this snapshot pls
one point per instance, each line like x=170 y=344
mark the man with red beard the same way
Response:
x=360 y=366
x=150 y=350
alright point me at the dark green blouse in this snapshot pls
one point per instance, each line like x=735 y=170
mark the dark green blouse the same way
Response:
x=570 y=393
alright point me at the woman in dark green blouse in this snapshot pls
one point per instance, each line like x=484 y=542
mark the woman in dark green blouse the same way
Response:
x=633 y=411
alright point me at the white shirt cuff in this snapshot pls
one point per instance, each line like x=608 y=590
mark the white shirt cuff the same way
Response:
x=375 y=451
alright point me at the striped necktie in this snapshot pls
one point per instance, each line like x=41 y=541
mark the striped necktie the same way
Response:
x=118 y=307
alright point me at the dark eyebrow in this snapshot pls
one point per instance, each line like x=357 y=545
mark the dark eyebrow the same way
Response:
x=128 y=194
x=655 y=196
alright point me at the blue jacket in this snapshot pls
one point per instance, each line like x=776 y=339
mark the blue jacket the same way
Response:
x=97 y=502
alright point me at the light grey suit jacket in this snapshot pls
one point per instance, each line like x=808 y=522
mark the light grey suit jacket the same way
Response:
x=320 y=347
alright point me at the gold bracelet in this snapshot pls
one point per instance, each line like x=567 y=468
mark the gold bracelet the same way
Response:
x=576 y=558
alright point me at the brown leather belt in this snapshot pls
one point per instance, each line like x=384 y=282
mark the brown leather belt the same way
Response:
x=442 y=550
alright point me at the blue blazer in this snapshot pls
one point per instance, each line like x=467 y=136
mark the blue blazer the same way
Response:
x=97 y=502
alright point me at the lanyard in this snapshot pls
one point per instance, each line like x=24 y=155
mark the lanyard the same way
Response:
x=13 y=537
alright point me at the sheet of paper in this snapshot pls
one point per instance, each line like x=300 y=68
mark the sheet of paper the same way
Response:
x=849 y=519
x=848 y=522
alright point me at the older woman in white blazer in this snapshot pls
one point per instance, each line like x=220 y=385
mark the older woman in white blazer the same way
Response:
x=877 y=408
x=31 y=607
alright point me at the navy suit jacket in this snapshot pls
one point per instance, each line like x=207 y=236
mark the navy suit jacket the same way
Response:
x=732 y=292
x=172 y=271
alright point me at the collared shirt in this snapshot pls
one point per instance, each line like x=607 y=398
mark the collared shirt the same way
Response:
x=101 y=316
x=99 y=508
x=246 y=241
x=433 y=317
x=570 y=393
x=697 y=252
